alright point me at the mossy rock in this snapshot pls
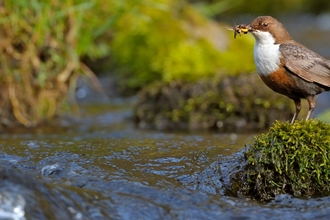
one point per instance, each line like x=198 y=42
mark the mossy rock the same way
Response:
x=229 y=104
x=289 y=159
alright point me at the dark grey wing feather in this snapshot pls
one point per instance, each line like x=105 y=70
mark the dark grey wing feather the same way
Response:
x=305 y=63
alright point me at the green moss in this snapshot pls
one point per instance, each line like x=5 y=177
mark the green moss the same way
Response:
x=291 y=159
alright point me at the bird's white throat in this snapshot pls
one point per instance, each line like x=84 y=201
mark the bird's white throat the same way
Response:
x=266 y=53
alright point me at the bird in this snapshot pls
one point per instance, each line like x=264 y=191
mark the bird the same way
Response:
x=286 y=66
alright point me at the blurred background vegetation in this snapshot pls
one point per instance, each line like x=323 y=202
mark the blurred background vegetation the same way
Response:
x=47 y=45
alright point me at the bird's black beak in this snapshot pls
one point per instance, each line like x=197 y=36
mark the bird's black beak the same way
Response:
x=249 y=29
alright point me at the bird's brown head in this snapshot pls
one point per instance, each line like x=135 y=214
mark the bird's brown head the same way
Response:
x=263 y=24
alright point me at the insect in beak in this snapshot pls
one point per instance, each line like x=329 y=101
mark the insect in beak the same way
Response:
x=241 y=28
x=238 y=29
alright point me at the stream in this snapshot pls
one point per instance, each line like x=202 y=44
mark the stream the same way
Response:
x=101 y=167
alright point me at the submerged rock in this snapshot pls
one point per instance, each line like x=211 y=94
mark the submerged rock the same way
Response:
x=23 y=197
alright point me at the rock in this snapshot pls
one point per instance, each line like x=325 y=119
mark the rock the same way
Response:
x=240 y=104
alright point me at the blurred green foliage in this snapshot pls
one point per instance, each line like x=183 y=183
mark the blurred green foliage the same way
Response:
x=42 y=43
x=223 y=8
x=169 y=40
x=324 y=116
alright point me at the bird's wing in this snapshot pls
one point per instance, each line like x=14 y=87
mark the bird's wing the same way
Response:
x=305 y=63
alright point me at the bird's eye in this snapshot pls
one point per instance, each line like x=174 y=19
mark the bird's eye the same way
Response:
x=265 y=24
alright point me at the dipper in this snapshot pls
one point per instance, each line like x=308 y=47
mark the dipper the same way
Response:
x=286 y=66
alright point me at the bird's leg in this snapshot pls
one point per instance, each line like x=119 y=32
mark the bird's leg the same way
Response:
x=297 y=103
x=311 y=103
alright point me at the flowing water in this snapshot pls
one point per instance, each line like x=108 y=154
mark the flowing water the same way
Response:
x=101 y=167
